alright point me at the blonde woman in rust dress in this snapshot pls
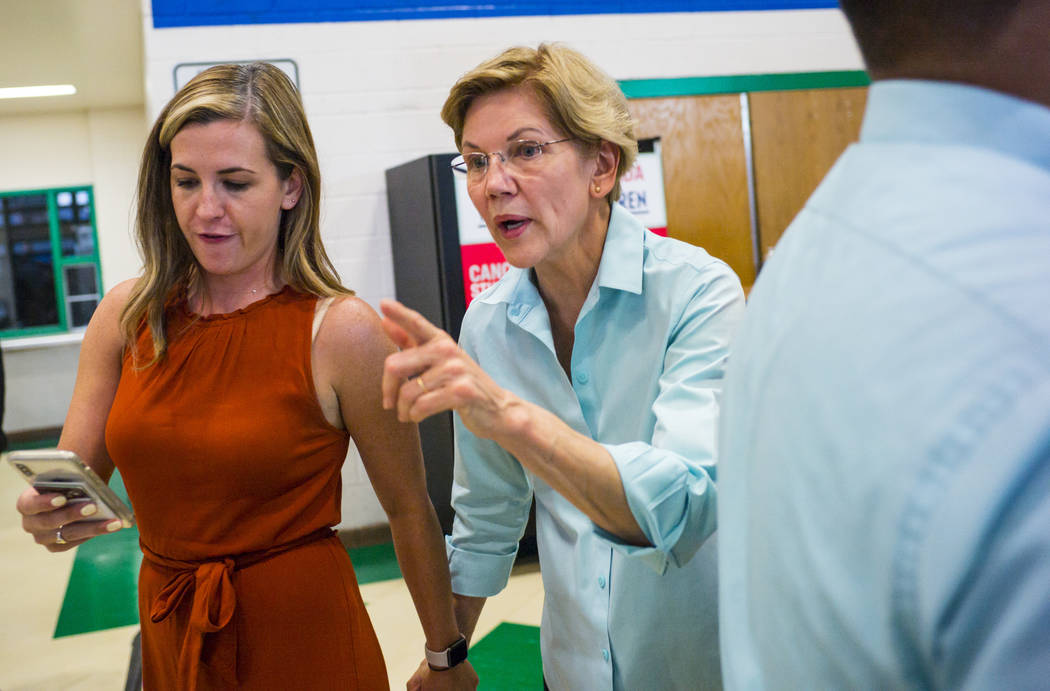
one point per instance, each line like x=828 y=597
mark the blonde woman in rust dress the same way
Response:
x=225 y=383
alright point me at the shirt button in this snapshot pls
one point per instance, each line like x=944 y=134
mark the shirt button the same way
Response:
x=582 y=377
x=601 y=582
x=605 y=654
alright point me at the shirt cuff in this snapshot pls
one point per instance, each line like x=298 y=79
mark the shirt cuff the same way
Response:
x=475 y=574
x=650 y=556
x=667 y=501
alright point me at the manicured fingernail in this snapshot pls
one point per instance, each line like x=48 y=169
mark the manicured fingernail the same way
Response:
x=88 y=510
x=58 y=501
x=113 y=526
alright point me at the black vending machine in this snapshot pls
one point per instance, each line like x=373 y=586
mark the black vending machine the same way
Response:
x=443 y=257
x=427 y=270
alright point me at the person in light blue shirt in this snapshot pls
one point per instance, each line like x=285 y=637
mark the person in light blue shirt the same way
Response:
x=588 y=377
x=884 y=479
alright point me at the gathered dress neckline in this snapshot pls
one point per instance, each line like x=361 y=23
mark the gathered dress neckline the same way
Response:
x=184 y=307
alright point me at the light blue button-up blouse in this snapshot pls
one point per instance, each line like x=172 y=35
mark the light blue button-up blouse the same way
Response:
x=650 y=348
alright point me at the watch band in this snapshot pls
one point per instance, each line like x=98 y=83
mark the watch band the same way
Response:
x=449 y=657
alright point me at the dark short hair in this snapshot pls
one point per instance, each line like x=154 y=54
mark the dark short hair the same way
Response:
x=890 y=32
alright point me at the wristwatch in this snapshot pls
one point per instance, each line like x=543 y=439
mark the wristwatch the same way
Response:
x=449 y=657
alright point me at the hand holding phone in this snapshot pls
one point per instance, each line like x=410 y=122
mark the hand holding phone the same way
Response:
x=81 y=505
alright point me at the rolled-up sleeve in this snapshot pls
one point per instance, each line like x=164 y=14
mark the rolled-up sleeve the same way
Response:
x=669 y=480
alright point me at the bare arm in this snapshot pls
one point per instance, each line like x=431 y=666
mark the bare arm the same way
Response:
x=574 y=465
x=84 y=431
x=468 y=609
x=352 y=346
x=577 y=467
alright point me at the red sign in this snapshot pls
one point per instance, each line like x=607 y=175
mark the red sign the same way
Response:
x=483 y=265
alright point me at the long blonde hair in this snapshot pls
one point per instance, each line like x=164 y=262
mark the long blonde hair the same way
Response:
x=580 y=99
x=263 y=95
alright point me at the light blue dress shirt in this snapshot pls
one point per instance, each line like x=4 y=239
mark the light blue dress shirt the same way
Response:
x=884 y=511
x=647 y=363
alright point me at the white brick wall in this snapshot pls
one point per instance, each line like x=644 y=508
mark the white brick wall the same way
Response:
x=373 y=90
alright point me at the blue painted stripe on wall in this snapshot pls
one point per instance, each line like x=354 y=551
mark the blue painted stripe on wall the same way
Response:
x=173 y=13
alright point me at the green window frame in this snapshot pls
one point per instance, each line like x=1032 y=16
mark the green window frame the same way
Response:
x=72 y=234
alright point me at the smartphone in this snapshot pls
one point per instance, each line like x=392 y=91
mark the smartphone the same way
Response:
x=62 y=472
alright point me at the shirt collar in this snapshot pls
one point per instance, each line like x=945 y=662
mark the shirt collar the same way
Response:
x=624 y=253
x=901 y=110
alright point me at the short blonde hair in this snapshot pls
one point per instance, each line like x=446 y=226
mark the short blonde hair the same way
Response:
x=580 y=100
x=263 y=95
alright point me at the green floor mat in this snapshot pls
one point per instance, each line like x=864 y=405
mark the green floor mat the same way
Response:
x=375 y=563
x=508 y=658
x=103 y=586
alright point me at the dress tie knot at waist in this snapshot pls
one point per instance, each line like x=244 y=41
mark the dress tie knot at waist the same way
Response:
x=213 y=600
x=214 y=597
x=209 y=584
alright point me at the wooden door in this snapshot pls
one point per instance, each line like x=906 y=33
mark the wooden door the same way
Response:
x=705 y=173
x=797 y=136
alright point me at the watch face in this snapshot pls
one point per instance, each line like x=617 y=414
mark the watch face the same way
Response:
x=449 y=657
x=457 y=652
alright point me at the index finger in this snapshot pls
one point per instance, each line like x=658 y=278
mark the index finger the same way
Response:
x=30 y=502
x=411 y=321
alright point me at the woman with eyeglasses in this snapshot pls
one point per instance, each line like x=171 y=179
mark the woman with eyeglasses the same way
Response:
x=587 y=378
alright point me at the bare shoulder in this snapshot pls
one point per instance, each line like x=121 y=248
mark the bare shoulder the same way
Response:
x=113 y=302
x=104 y=327
x=122 y=291
x=352 y=330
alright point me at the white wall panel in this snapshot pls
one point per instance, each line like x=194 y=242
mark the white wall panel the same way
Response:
x=45 y=150
x=39 y=385
x=115 y=140
x=96 y=147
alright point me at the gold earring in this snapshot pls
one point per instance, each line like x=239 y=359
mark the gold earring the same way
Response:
x=597 y=188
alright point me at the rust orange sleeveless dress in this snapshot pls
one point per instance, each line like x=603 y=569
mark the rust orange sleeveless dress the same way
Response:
x=234 y=475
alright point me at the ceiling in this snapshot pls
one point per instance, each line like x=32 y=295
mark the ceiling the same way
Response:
x=96 y=45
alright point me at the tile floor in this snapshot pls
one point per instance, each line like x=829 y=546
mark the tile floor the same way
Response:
x=33 y=585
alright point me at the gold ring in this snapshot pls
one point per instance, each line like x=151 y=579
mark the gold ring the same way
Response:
x=59 y=540
x=419 y=380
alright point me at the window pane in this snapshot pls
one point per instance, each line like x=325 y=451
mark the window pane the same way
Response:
x=74 y=226
x=7 y=284
x=26 y=201
x=28 y=217
x=78 y=240
x=80 y=312
x=81 y=279
x=27 y=279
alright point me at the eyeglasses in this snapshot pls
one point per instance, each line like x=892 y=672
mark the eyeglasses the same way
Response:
x=522 y=156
